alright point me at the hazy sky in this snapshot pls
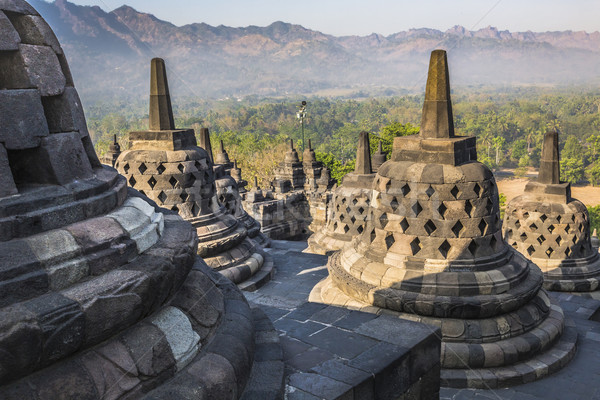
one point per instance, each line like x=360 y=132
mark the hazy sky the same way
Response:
x=362 y=17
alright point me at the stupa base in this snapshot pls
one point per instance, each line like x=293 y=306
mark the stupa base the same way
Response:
x=552 y=355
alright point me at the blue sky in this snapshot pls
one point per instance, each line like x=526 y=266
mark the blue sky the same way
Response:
x=362 y=17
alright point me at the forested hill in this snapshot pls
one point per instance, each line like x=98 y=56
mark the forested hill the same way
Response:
x=109 y=54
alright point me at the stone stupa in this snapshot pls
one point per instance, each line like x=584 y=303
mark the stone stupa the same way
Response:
x=101 y=293
x=228 y=191
x=432 y=251
x=552 y=229
x=167 y=166
x=378 y=158
x=350 y=205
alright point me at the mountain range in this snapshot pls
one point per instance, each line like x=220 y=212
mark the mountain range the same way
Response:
x=109 y=54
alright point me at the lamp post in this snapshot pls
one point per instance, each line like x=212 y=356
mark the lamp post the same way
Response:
x=301 y=115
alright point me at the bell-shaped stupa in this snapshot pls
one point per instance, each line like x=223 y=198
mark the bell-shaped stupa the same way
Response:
x=166 y=165
x=350 y=205
x=101 y=293
x=432 y=251
x=552 y=229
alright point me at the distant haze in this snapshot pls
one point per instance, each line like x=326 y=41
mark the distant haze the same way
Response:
x=109 y=54
x=363 y=17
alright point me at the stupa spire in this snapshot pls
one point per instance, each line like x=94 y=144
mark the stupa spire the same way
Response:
x=161 y=112
x=437 y=120
x=204 y=142
x=550 y=160
x=363 y=155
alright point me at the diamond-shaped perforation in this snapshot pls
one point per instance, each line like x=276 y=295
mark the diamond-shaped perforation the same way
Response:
x=533 y=227
x=361 y=210
x=482 y=227
x=416 y=208
x=196 y=209
x=360 y=229
x=348 y=209
x=543 y=217
x=126 y=168
x=430 y=227
x=457 y=229
x=573 y=217
x=342 y=217
x=404 y=225
x=551 y=228
x=346 y=228
x=430 y=191
x=373 y=235
x=567 y=228
x=405 y=190
x=175 y=208
x=180 y=167
x=335 y=226
x=383 y=220
x=455 y=192
x=477 y=189
x=162 y=196
x=549 y=251
x=530 y=250
x=473 y=246
x=353 y=219
x=354 y=201
x=132 y=181
x=525 y=215
x=468 y=208
x=142 y=168
x=152 y=182
x=568 y=252
x=558 y=218
x=518 y=224
x=389 y=240
x=523 y=236
x=444 y=248
x=541 y=239
x=415 y=246
x=173 y=181
x=184 y=196
x=558 y=240
x=493 y=242
x=442 y=210
x=394 y=204
x=160 y=169
x=343 y=200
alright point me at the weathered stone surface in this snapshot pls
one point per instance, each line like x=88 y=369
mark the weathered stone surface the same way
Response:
x=9 y=38
x=43 y=69
x=7 y=183
x=161 y=113
x=34 y=30
x=550 y=160
x=22 y=122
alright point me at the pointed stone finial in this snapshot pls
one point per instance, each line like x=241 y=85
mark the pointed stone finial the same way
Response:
x=235 y=164
x=222 y=147
x=379 y=147
x=437 y=120
x=291 y=144
x=204 y=142
x=309 y=145
x=550 y=160
x=161 y=112
x=363 y=155
x=595 y=233
x=256 y=183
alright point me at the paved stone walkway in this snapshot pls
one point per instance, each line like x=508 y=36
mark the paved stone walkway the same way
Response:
x=298 y=272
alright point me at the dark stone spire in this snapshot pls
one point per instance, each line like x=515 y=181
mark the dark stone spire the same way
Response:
x=161 y=112
x=363 y=155
x=309 y=154
x=550 y=160
x=114 y=149
x=222 y=157
x=437 y=120
x=204 y=142
x=256 y=183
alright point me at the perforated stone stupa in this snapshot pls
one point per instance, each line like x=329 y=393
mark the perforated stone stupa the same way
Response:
x=350 y=205
x=432 y=251
x=228 y=191
x=552 y=229
x=101 y=295
x=166 y=165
